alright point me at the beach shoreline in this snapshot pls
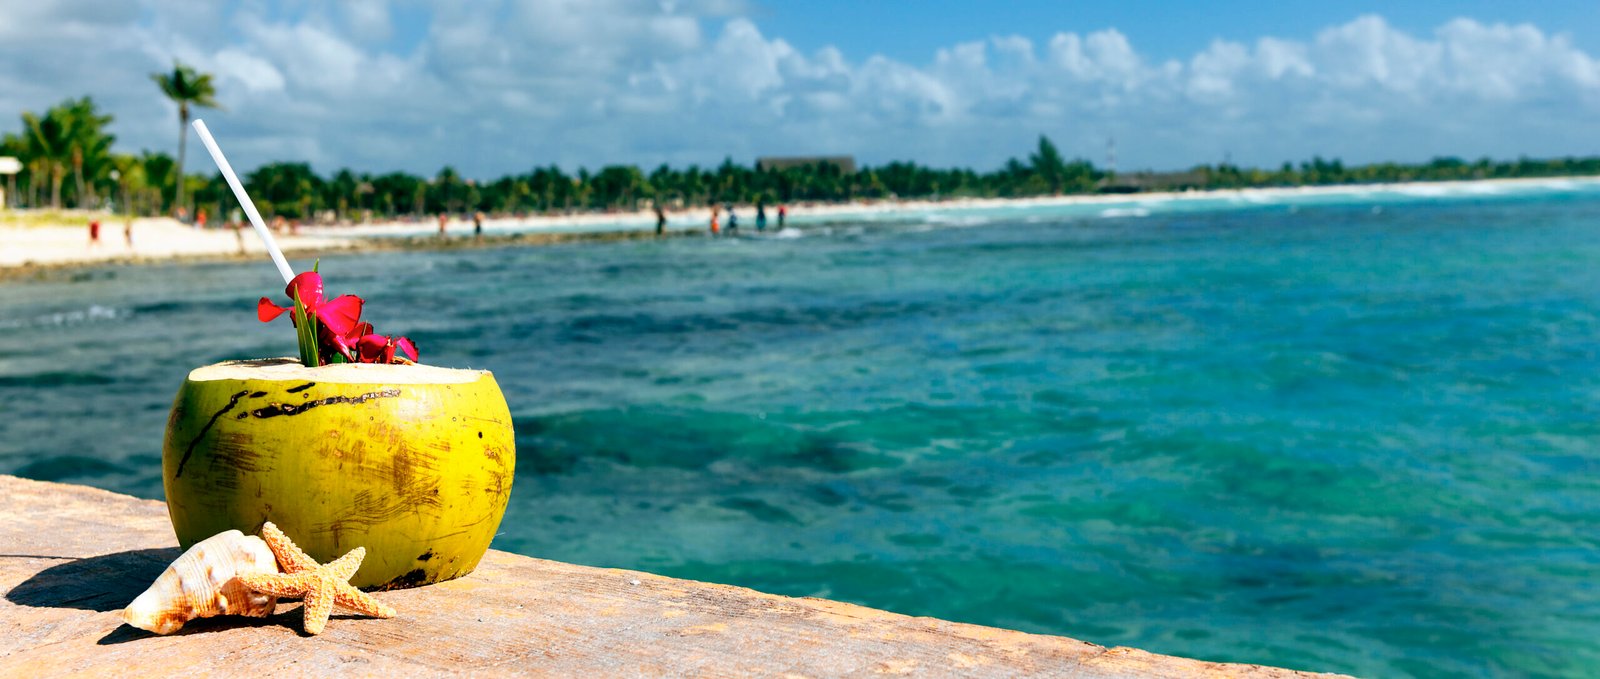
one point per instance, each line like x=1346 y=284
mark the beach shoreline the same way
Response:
x=31 y=251
x=317 y=246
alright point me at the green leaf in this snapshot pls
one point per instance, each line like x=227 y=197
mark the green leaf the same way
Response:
x=306 y=331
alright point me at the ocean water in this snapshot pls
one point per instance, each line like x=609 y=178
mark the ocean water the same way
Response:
x=1357 y=433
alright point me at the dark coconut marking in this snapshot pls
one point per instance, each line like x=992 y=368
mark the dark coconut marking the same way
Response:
x=290 y=410
x=214 y=417
x=414 y=578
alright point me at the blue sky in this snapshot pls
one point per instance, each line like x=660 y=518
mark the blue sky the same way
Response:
x=498 y=86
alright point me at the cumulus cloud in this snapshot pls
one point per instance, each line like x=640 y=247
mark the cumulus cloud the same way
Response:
x=500 y=86
x=369 y=20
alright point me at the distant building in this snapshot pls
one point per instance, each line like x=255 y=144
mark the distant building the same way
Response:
x=1140 y=182
x=846 y=164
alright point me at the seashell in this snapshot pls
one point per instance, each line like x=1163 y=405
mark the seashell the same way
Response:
x=204 y=583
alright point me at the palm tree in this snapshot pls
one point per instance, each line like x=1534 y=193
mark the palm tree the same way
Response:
x=1049 y=165
x=185 y=87
x=130 y=177
x=48 y=140
x=88 y=144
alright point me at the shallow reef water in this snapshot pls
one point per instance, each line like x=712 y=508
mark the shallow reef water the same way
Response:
x=1355 y=434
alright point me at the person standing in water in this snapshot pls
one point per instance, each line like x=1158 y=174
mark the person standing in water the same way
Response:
x=477 y=225
x=783 y=211
x=733 y=220
x=661 y=219
x=714 y=228
x=761 y=216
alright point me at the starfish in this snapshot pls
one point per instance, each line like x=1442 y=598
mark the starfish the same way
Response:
x=322 y=586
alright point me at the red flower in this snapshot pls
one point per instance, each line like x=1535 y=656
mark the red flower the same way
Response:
x=345 y=344
x=339 y=314
x=341 y=333
x=374 y=348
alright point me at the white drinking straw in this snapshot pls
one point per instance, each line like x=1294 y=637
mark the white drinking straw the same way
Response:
x=244 y=200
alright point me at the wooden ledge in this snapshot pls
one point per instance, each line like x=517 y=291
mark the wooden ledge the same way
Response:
x=71 y=557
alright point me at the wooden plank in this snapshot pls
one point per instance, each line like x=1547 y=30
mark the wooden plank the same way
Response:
x=71 y=557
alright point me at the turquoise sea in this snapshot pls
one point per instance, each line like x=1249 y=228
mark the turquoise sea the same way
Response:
x=1355 y=433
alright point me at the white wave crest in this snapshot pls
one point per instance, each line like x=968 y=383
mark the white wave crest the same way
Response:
x=72 y=317
x=957 y=220
x=1124 y=212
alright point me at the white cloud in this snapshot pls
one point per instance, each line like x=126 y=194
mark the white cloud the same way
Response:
x=1368 y=52
x=253 y=72
x=1501 y=62
x=1282 y=58
x=368 y=20
x=1214 y=71
x=1104 y=56
x=493 y=87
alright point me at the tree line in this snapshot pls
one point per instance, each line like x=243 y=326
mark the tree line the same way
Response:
x=68 y=161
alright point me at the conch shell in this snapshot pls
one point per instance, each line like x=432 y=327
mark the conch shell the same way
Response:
x=204 y=583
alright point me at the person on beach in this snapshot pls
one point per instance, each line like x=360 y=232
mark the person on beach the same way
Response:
x=238 y=233
x=661 y=219
x=477 y=225
x=733 y=220
x=127 y=231
x=200 y=219
x=783 y=211
x=761 y=216
x=442 y=219
x=714 y=229
x=94 y=233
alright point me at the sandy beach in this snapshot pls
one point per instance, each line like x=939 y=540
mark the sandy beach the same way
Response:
x=153 y=239
x=24 y=248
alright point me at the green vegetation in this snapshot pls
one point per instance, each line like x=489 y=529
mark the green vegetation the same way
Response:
x=69 y=137
x=70 y=141
x=185 y=87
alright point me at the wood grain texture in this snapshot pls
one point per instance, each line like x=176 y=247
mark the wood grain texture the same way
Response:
x=71 y=557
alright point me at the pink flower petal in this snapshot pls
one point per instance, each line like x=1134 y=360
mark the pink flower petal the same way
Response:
x=328 y=341
x=370 y=348
x=357 y=332
x=405 y=345
x=341 y=313
x=310 y=286
x=267 y=311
